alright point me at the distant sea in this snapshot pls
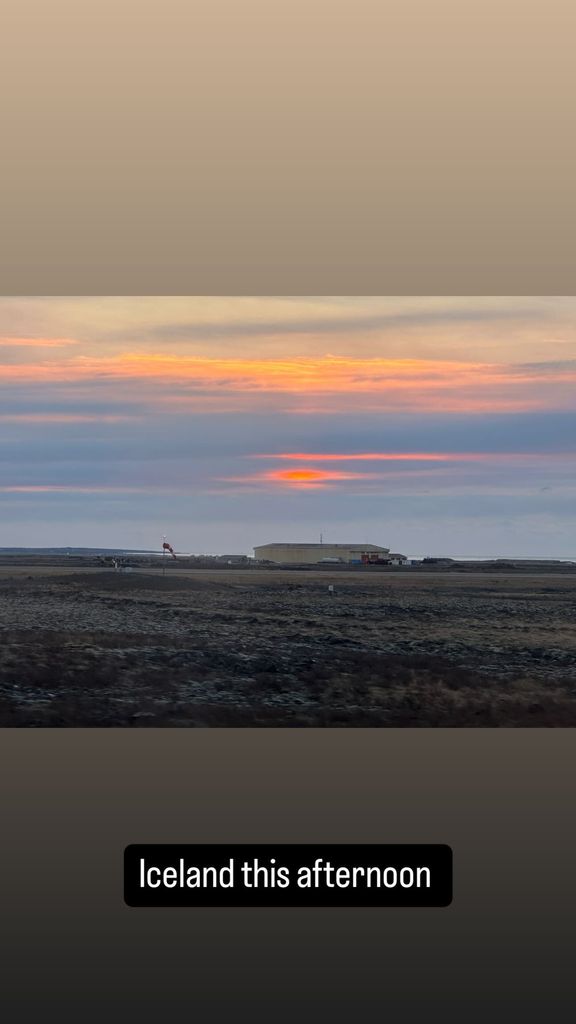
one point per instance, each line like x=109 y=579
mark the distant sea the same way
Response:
x=492 y=558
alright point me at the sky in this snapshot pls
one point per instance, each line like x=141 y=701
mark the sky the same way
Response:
x=431 y=426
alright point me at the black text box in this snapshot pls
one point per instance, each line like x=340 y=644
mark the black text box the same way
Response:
x=309 y=875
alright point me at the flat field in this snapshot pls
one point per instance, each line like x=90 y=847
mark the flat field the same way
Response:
x=94 y=647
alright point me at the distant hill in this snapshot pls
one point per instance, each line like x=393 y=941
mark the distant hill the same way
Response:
x=75 y=551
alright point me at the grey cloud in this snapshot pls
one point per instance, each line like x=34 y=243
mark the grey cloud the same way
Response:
x=185 y=437
x=191 y=330
x=540 y=367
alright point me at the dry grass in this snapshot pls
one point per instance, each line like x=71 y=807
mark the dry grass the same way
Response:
x=48 y=684
x=231 y=649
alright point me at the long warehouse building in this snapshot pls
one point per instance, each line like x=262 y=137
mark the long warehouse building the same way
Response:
x=312 y=554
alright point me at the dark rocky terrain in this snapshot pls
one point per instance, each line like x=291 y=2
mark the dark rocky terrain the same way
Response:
x=276 y=649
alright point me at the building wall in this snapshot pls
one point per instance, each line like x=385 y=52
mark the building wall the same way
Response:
x=299 y=554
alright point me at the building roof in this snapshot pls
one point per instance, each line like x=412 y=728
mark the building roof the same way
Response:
x=326 y=544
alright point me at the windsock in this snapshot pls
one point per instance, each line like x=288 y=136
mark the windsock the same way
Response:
x=168 y=547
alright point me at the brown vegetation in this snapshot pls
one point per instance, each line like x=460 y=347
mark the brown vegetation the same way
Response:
x=108 y=650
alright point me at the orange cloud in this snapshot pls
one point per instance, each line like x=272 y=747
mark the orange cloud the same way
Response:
x=413 y=456
x=302 y=477
x=68 y=489
x=326 y=383
x=36 y=342
x=397 y=468
x=311 y=475
x=61 y=417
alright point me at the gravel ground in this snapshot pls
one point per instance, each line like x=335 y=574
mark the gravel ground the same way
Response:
x=104 y=648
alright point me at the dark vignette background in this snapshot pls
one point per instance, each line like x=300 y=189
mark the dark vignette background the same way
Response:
x=503 y=799
x=261 y=147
